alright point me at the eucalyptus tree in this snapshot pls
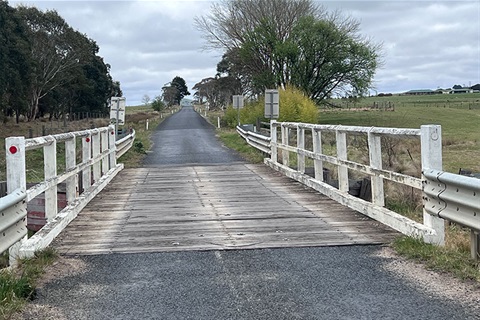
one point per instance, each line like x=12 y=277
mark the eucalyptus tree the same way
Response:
x=56 y=50
x=15 y=63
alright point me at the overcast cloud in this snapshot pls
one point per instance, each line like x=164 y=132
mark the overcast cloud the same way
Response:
x=426 y=44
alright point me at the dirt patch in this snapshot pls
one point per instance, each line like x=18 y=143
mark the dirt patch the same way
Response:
x=61 y=268
x=467 y=294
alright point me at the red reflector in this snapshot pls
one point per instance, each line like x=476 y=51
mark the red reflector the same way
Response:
x=87 y=139
x=13 y=149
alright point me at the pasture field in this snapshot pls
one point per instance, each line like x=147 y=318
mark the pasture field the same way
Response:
x=459 y=116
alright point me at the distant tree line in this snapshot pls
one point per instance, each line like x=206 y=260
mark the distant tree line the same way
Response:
x=276 y=43
x=48 y=68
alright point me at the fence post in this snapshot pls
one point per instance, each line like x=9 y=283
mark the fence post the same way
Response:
x=317 y=149
x=111 y=146
x=273 y=141
x=50 y=165
x=16 y=178
x=86 y=155
x=342 y=155
x=104 y=146
x=95 y=153
x=285 y=153
x=70 y=163
x=431 y=142
x=375 y=155
x=300 y=147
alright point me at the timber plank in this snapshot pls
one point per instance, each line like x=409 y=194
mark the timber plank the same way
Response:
x=214 y=207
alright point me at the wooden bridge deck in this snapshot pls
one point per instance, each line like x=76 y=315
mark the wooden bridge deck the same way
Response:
x=212 y=208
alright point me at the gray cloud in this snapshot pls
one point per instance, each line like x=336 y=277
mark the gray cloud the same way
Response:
x=425 y=43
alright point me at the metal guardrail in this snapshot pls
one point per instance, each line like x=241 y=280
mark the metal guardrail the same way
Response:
x=124 y=144
x=13 y=215
x=455 y=198
x=256 y=140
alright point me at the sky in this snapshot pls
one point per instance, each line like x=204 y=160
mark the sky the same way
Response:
x=426 y=44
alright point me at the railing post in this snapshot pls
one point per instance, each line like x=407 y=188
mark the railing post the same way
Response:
x=342 y=155
x=317 y=149
x=104 y=146
x=375 y=155
x=50 y=165
x=111 y=146
x=70 y=163
x=431 y=142
x=300 y=147
x=273 y=141
x=285 y=153
x=16 y=178
x=95 y=153
x=86 y=155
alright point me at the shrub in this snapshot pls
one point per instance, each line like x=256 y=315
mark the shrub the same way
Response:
x=294 y=107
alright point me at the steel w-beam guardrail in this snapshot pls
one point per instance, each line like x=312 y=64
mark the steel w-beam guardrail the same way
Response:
x=455 y=198
x=13 y=216
x=256 y=140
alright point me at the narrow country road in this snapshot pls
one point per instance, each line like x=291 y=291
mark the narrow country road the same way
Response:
x=187 y=138
x=338 y=282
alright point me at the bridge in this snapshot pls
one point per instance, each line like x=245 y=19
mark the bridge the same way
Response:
x=193 y=195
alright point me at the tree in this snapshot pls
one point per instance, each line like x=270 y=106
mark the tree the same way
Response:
x=57 y=50
x=157 y=104
x=271 y=42
x=15 y=62
x=330 y=58
x=146 y=99
x=175 y=91
x=457 y=86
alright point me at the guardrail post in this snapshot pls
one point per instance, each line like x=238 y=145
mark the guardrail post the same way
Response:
x=342 y=155
x=300 y=146
x=475 y=245
x=70 y=164
x=285 y=153
x=50 y=167
x=273 y=141
x=16 y=178
x=431 y=142
x=317 y=149
x=86 y=155
x=375 y=155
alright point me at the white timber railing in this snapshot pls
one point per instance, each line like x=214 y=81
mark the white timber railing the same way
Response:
x=432 y=229
x=83 y=180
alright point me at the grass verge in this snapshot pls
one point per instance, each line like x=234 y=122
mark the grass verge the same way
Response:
x=232 y=140
x=449 y=259
x=17 y=286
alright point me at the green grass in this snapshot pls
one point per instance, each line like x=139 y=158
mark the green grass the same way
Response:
x=460 y=128
x=17 y=286
x=443 y=259
x=234 y=141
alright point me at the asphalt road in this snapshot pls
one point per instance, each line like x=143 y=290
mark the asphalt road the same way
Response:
x=187 y=138
x=350 y=282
